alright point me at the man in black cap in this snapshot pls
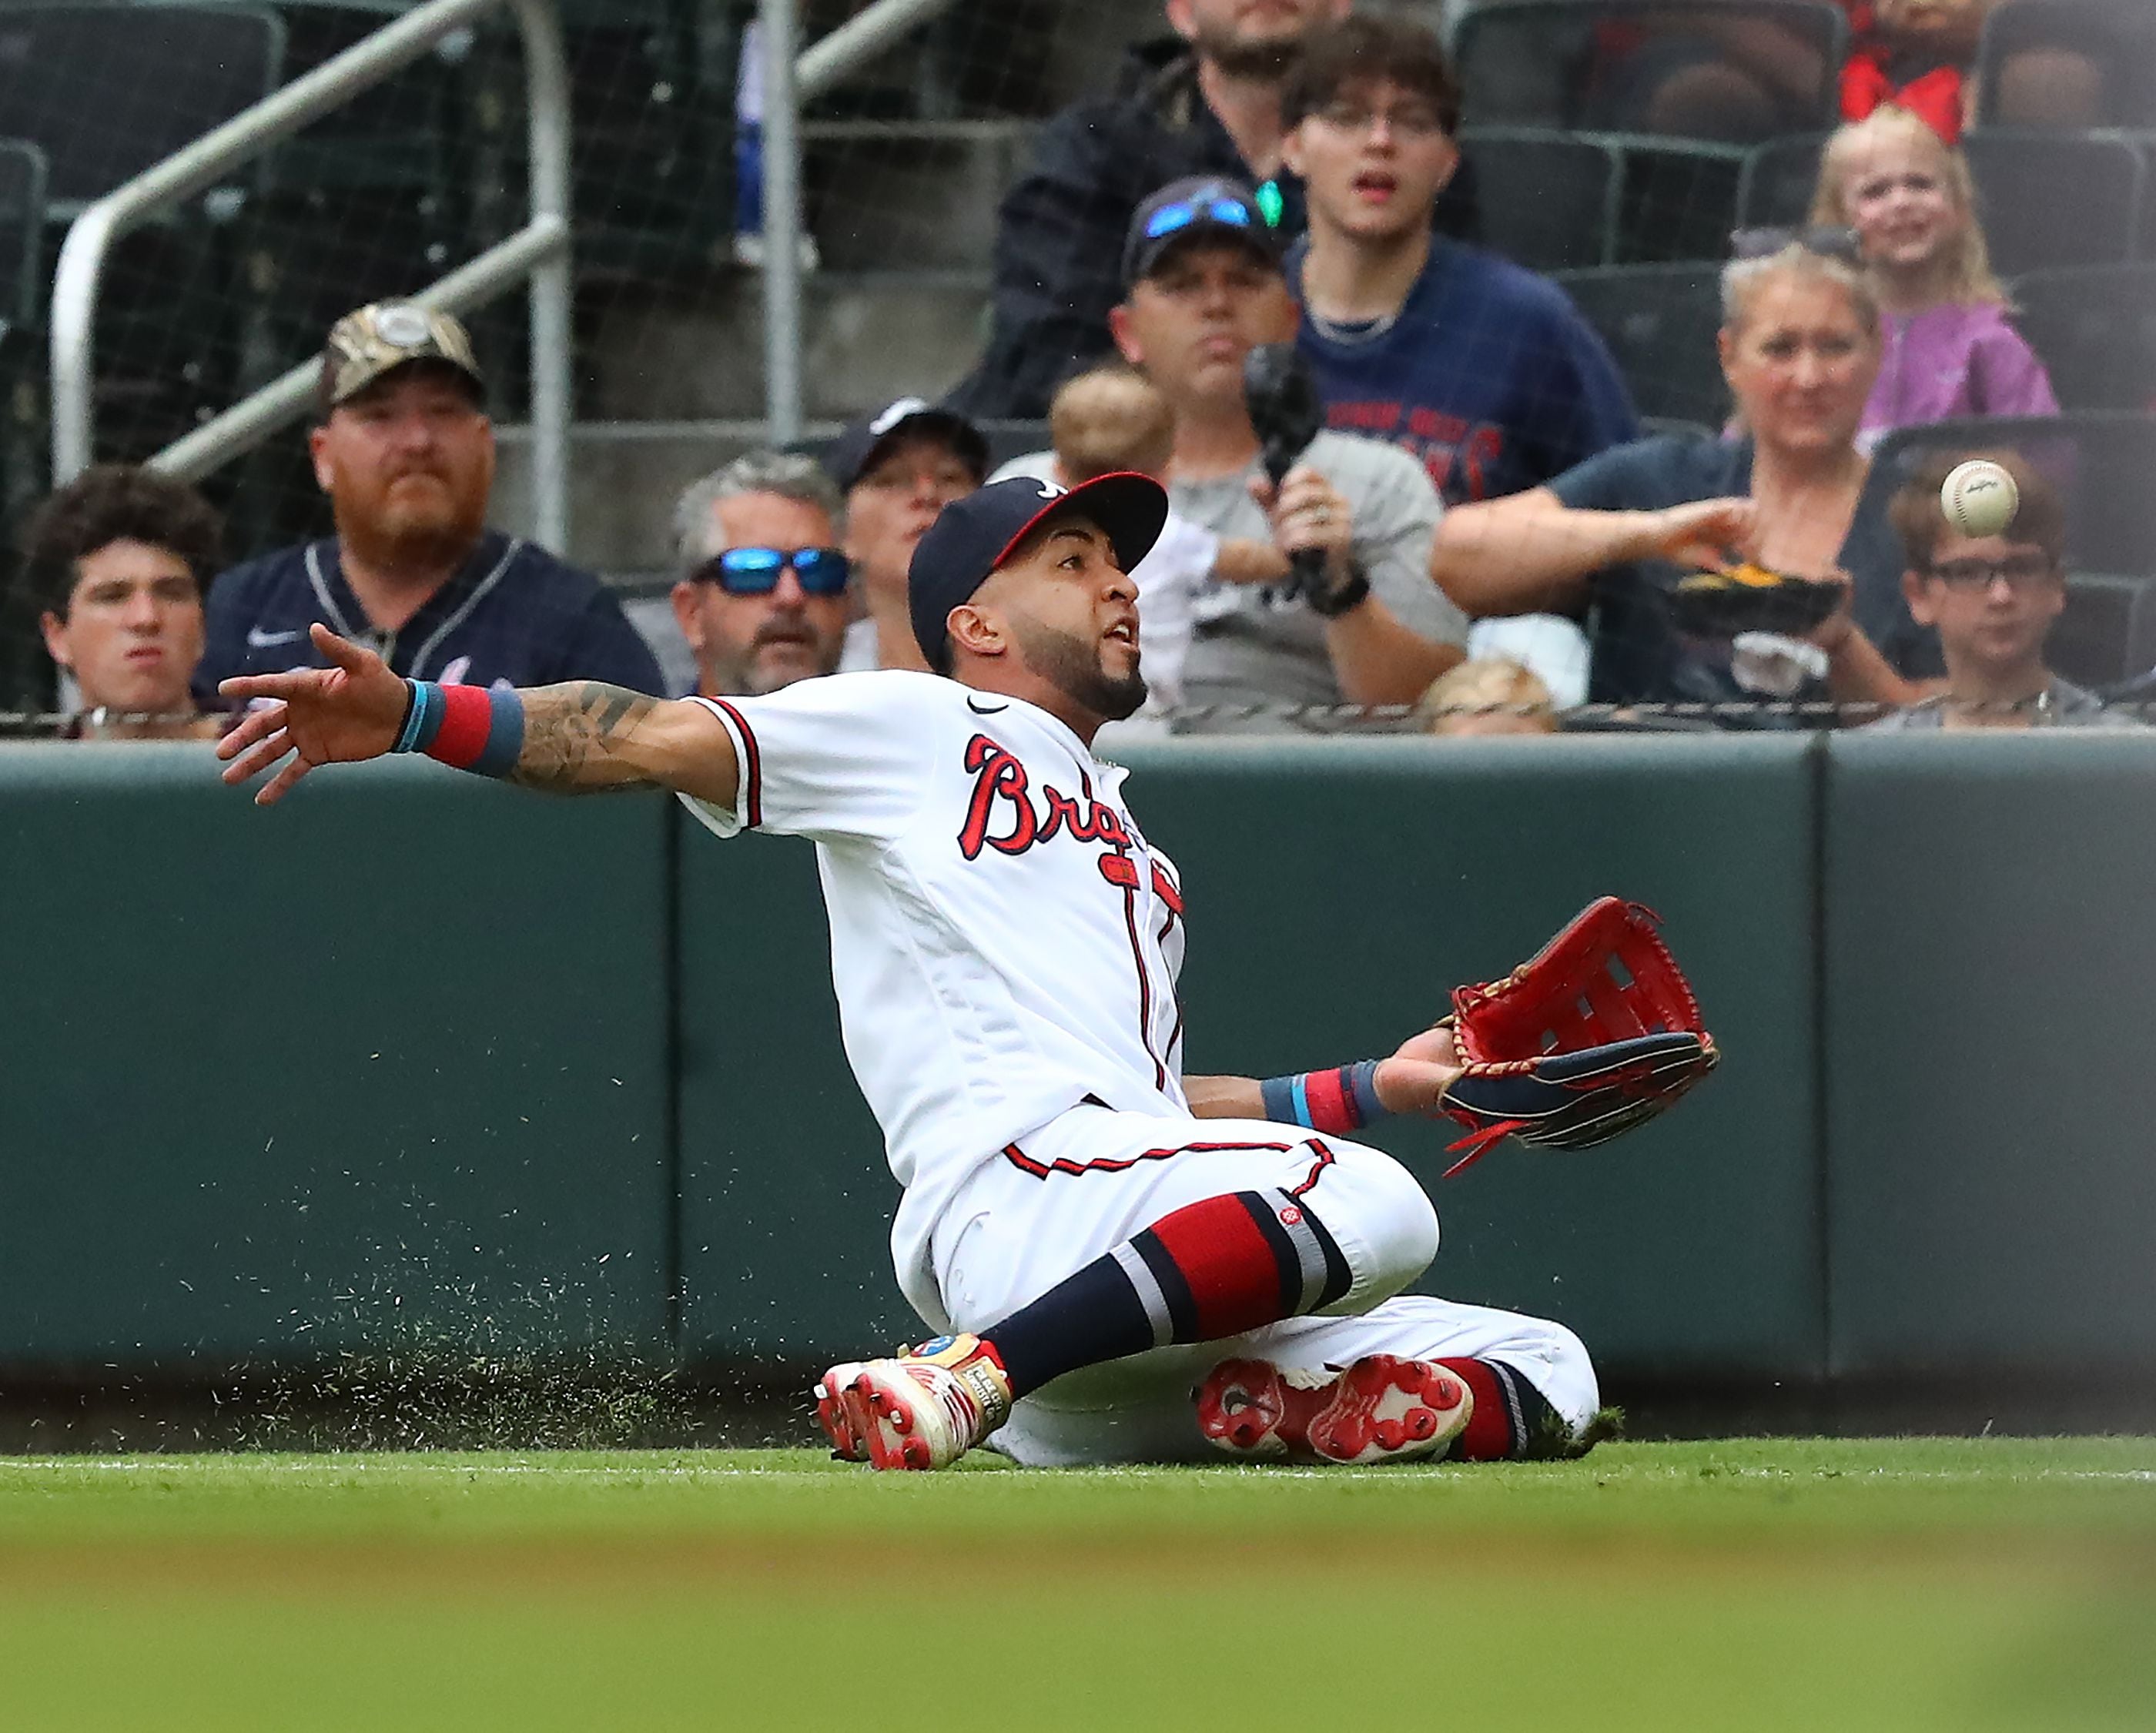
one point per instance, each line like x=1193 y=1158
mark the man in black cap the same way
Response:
x=897 y=469
x=403 y=447
x=1095 y=1232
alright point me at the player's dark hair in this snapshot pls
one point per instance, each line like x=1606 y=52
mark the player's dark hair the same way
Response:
x=116 y=502
x=1368 y=51
x=1920 y=519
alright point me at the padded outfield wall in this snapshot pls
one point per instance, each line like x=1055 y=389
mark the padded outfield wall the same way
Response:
x=414 y=1060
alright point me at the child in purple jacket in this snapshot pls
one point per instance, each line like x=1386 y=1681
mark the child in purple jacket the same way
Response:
x=1950 y=347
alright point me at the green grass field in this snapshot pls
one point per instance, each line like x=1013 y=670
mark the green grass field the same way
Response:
x=1904 y=1584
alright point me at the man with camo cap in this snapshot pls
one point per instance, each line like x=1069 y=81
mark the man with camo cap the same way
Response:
x=405 y=450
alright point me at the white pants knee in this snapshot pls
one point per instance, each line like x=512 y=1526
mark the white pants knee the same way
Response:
x=1092 y=1178
x=1082 y=1184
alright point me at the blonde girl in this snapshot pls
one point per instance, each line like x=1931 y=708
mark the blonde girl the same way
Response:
x=1950 y=349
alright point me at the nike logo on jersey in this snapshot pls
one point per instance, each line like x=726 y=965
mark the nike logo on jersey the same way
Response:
x=258 y=640
x=979 y=709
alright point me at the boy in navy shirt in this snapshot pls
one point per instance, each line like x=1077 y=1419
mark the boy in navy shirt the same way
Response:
x=405 y=451
x=1485 y=371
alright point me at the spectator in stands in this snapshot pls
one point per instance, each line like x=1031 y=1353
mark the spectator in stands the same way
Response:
x=1917 y=55
x=1203 y=102
x=897 y=469
x=1205 y=288
x=403 y=447
x=1992 y=599
x=1747 y=78
x=763 y=599
x=1799 y=347
x=1950 y=350
x=118 y=558
x=1488 y=695
x=1484 y=372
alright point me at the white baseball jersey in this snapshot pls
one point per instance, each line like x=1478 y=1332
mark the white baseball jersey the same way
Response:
x=1004 y=942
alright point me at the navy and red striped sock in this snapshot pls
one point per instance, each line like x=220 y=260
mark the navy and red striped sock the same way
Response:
x=1208 y=1270
x=1512 y=1417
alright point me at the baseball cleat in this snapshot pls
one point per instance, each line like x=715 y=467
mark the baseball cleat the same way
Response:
x=923 y=1409
x=1380 y=1409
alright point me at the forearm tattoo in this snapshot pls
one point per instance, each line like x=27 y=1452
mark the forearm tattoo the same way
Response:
x=575 y=736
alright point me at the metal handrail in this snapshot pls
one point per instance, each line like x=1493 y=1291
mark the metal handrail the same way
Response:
x=790 y=80
x=540 y=250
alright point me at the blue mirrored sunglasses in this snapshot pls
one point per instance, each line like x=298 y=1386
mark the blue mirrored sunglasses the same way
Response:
x=1169 y=218
x=754 y=571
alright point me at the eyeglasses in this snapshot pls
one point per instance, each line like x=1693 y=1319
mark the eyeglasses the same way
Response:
x=1827 y=243
x=2022 y=572
x=754 y=571
x=1411 y=123
x=1184 y=211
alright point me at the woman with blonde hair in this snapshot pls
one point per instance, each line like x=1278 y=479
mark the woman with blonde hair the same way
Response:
x=1950 y=348
x=1609 y=540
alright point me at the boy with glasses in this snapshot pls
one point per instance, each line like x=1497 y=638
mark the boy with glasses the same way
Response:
x=1992 y=599
x=1482 y=371
x=763 y=597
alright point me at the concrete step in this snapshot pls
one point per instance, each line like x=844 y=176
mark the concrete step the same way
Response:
x=867 y=337
x=623 y=479
x=914 y=196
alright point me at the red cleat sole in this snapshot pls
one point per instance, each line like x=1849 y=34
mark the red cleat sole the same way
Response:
x=1382 y=1408
x=865 y=1423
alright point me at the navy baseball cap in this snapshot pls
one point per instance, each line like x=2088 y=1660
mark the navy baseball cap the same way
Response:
x=973 y=536
x=1185 y=210
x=854 y=451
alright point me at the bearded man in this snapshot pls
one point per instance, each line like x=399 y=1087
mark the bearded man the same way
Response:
x=405 y=450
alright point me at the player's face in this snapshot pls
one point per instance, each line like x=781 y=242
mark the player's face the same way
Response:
x=1252 y=38
x=1203 y=309
x=1373 y=159
x=1991 y=601
x=408 y=464
x=1801 y=364
x=1073 y=613
x=897 y=499
x=1897 y=200
x=133 y=632
x=754 y=644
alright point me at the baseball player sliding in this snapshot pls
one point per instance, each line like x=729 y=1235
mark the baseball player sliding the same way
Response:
x=1096 y=1234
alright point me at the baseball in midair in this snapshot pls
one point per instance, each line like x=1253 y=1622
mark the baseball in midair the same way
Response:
x=1979 y=499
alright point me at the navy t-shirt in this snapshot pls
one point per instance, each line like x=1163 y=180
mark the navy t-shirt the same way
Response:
x=1488 y=375
x=512 y=614
x=1640 y=657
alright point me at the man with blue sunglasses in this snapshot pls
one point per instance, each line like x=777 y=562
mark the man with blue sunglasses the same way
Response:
x=763 y=595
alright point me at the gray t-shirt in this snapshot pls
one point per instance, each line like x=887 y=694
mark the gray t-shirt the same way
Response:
x=2061 y=704
x=1250 y=645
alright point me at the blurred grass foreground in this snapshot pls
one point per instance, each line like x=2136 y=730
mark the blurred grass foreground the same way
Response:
x=1897 y=1584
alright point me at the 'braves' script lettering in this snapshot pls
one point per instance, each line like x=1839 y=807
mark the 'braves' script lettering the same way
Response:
x=1002 y=801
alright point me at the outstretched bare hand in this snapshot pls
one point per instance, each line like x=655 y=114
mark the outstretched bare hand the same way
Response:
x=340 y=714
x=1419 y=1072
x=1702 y=535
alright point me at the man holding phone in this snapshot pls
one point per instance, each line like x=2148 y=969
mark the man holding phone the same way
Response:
x=763 y=598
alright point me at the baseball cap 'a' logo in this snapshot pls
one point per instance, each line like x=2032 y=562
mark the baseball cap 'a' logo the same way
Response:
x=1048 y=490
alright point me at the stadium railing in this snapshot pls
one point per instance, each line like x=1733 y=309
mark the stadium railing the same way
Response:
x=537 y=250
